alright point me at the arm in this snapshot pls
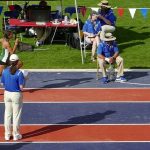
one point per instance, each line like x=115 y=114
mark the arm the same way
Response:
x=21 y=81
x=105 y=20
x=99 y=52
x=101 y=56
x=10 y=49
x=113 y=58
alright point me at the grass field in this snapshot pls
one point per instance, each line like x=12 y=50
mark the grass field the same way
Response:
x=133 y=36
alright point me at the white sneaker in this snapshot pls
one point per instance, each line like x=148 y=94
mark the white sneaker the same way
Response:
x=7 y=137
x=17 y=137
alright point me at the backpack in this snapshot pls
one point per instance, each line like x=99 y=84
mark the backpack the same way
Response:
x=75 y=41
x=25 y=47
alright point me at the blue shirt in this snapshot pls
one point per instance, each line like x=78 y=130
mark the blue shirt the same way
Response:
x=109 y=15
x=92 y=27
x=11 y=82
x=107 y=50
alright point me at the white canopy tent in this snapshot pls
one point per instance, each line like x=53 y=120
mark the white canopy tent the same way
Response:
x=77 y=16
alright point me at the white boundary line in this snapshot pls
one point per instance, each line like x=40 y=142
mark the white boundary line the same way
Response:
x=81 y=70
x=122 y=88
x=72 y=142
x=81 y=102
x=140 y=124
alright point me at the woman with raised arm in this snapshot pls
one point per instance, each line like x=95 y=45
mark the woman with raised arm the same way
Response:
x=7 y=50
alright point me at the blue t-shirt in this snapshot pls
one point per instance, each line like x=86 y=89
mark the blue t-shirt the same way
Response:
x=107 y=50
x=11 y=82
x=92 y=27
x=109 y=15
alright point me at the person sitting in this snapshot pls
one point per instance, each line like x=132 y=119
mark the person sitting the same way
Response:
x=42 y=32
x=107 y=18
x=108 y=52
x=91 y=30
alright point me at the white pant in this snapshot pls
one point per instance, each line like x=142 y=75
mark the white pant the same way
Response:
x=119 y=62
x=13 y=108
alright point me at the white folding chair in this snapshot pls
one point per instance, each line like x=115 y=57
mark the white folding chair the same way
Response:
x=85 y=45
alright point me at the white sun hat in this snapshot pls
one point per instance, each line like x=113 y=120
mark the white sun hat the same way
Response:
x=108 y=37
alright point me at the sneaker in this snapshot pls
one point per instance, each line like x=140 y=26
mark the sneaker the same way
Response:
x=105 y=80
x=121 y=79
x=38 y=43
x=17 y=137
x=7 y=137
x=93 y=58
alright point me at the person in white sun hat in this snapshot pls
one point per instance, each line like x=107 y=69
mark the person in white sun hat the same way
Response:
x=107 y=18
x=108 y=52
x=13 y=81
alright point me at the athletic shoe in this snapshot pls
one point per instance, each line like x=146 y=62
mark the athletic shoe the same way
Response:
x=38 y=43
x=17 y=137
x=121 y=79
x=105 y=80
x=93 y=58
x=7 y=137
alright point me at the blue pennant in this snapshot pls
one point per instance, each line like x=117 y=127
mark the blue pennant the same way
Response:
x=144 y=12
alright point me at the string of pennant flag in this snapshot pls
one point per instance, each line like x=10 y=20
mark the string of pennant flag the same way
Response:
x=120 y=11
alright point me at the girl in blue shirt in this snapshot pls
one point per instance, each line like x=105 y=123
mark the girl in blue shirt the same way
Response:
x=91 y=30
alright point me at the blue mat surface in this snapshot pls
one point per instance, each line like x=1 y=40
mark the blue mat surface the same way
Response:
x=84 y=113
x=76 y=146
x=83 y=80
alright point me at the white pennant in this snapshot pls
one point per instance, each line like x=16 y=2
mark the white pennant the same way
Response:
x=132 y=11
x=95 y=9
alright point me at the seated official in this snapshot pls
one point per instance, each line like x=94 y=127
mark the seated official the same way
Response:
x=42 y=32
x=108 y=52
x=107 y=18
x=91 y=30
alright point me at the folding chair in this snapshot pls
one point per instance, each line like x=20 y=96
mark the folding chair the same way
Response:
x=85 y=45
x=6 y=25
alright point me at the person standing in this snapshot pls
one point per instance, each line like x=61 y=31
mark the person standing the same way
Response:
x=7 y=50
x=13 y=81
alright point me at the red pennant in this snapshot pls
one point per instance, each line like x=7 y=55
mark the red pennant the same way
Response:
x=11 y=7
x=83 y=10
x=120 y=11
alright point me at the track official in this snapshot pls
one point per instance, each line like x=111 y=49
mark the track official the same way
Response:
x=13 y=81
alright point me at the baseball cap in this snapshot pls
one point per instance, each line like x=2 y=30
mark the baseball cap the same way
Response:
x=14 y=57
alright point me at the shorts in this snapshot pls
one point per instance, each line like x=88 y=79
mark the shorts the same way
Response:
x=3 y=63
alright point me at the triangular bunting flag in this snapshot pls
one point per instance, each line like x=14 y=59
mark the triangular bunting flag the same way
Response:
x=132 y=11
x=144 y=12
x=1 y=8
x=120 y=11
x=83 y=10
x=95 y=9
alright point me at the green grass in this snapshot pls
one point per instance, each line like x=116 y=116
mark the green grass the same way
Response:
x=133 y=36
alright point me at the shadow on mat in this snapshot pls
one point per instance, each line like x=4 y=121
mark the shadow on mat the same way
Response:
x=134 y=75
x=12 y=146
x=75 y=120
x=68 y=82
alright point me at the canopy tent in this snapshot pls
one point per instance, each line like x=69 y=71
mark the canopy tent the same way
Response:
x=77 y=16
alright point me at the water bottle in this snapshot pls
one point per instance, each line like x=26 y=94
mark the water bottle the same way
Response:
x=111 y=72
x=66 y=20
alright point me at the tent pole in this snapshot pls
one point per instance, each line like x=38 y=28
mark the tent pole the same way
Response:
x=76 y=6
